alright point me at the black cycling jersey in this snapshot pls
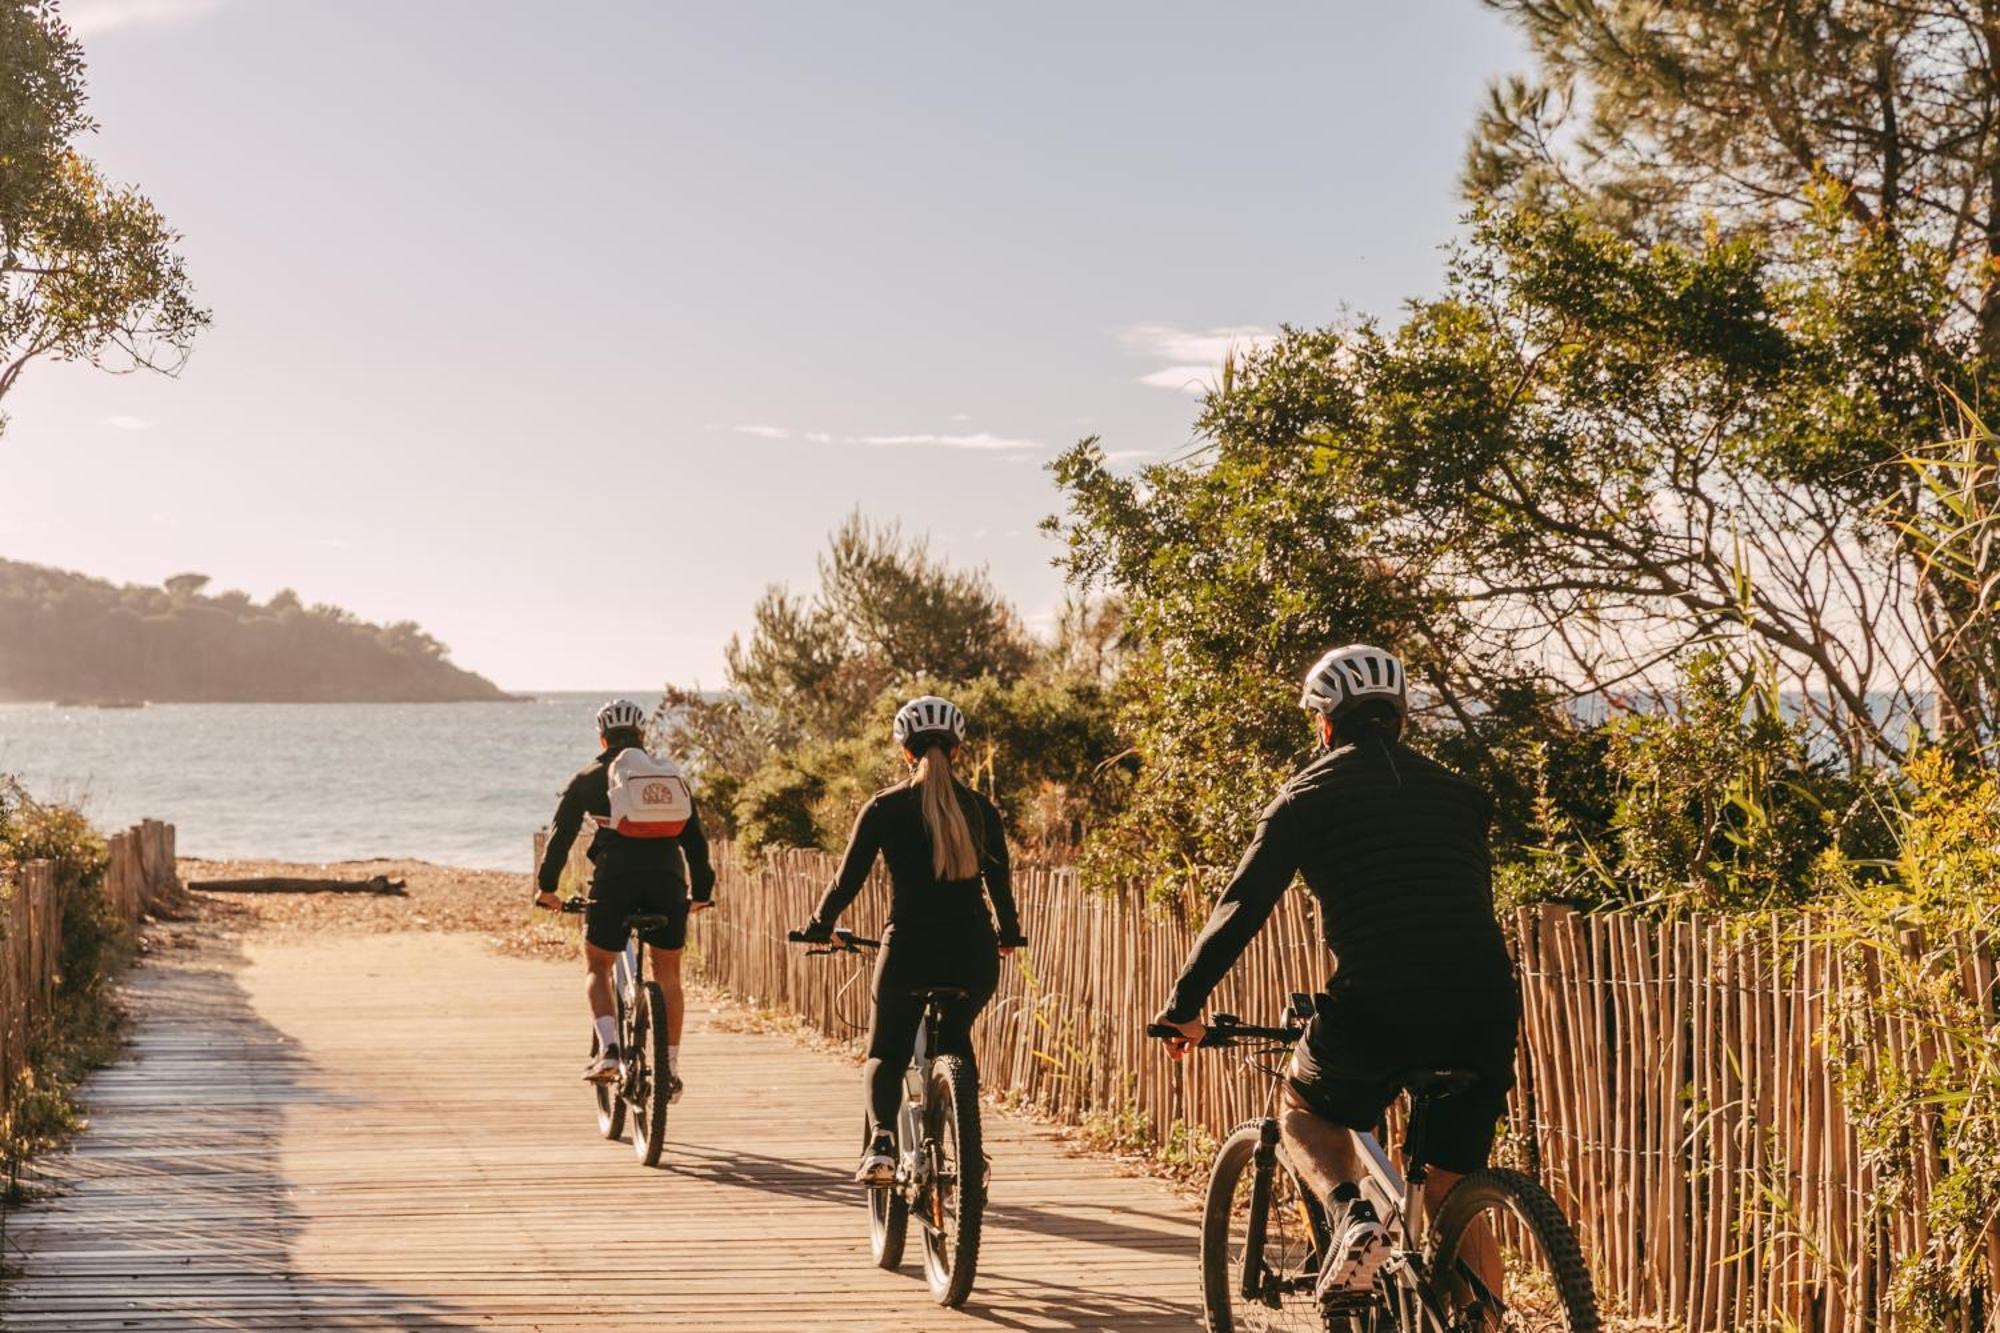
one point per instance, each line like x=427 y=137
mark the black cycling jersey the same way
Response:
x=892 y=825
x=614 y=855
x=1394 y=846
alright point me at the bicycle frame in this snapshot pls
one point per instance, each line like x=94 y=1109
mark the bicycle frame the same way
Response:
x=628 y=970
x=913 y=1170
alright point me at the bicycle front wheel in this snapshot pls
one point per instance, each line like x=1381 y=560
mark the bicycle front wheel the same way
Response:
x=1252 y=1286
x=648 y=1075
x=954 y=1201
x=1504 y=1259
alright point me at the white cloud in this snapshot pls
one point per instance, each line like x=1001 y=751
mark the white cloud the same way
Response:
x=91 y=18
x=981 y=441
x=1194 y=356
x=127 y=423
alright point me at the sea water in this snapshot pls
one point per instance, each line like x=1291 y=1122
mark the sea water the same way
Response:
x=459 y=784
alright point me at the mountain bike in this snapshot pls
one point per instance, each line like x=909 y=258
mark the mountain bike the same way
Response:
x=940 y=1160
x=640 y=1092
x=1264 y=1234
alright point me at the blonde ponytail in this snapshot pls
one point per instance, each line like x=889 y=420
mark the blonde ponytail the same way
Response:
x=953 y=856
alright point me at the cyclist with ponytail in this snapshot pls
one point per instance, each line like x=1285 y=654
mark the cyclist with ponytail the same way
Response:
x=947 y=857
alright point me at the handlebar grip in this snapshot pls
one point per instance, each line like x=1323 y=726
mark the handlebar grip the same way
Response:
x=574 y=905
x=1163 y=1031
x=803 y=937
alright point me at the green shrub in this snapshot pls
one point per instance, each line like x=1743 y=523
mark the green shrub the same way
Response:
x=1718 y=803
x=84 y=1029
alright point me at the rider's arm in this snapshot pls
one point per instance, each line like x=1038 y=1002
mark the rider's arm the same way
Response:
x=562 y=833
x=999 y=872
x=1261 y=878
x=862 y=848
x=694 y=846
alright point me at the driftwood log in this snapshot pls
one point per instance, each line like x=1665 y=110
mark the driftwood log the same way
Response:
x=379 y=884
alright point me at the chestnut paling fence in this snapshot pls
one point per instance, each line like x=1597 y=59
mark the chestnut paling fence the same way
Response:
x=1675 y=1088
x=140 y=876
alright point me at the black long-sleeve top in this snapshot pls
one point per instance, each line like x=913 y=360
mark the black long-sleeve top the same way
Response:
x=612 y=853
x=892 y=826
x=1394 y=846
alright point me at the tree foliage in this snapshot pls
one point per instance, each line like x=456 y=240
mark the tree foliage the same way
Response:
x=886 y=610
x=1820 y=128
x=788 y=754
x=88 y=270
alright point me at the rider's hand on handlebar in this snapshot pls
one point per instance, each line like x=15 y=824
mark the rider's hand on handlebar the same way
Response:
x=816 y=932
x=700 y=905
x=548 y=902
x=1191 y=1031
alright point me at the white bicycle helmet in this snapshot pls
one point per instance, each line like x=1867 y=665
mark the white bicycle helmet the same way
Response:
x=619 y=713
x=1348 y=677
x=932 y=717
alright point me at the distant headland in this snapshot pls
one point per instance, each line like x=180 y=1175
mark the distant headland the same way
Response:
x=70 y=637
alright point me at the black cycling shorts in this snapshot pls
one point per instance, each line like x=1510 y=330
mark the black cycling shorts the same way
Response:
x=1360 y=1045
x=612 y=900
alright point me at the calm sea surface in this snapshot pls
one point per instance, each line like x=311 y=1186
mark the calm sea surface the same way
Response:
x=459 y=784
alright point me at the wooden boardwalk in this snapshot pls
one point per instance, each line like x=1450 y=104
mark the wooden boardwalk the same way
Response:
x=377 y=1132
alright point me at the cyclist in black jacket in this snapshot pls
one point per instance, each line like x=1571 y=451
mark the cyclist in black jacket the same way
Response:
x=1394 y=847
x=629 y=875
x=943 y=842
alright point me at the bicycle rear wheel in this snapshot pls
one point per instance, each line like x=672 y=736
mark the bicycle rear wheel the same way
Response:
x=954 y=1202
x=648 y=1075
x=1280 y=1279
x=1505 y=1260
x=888 y=1215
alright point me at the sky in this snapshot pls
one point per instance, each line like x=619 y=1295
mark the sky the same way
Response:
x=563 y=330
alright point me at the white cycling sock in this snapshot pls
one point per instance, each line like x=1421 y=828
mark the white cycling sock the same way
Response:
x=607 y=1032
x=673 y=1059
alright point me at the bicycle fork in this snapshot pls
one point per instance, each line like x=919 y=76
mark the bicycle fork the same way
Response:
x=1265 y=1162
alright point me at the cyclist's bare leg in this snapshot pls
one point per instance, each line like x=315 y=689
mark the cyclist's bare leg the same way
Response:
x=1481 y=1251
x=667 y=971
x=1323 y=1152
x=598 y=988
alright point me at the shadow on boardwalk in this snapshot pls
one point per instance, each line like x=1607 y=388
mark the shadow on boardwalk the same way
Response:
x=1052 y=1305
x=173 y=1210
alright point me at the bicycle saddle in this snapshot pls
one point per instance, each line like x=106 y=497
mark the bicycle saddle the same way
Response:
x=1439 y=1082
x=940 y=993
x=646 y=921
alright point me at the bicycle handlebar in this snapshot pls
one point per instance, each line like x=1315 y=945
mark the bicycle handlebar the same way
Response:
x=573 y=905
x=840 y=941
x=1222 y=1034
